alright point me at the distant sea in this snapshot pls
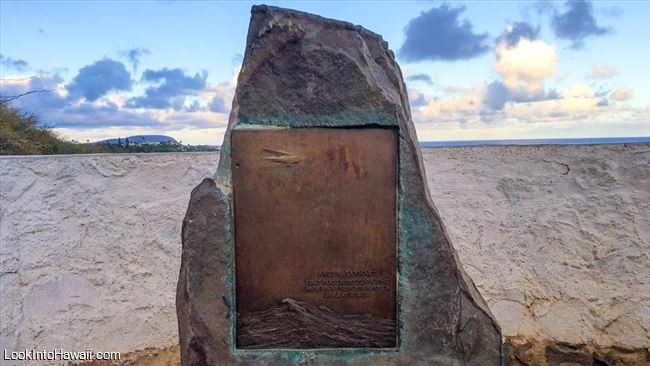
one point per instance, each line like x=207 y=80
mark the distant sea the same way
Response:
x=581 y=141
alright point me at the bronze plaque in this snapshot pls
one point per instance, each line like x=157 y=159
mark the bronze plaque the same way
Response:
x=315 y=237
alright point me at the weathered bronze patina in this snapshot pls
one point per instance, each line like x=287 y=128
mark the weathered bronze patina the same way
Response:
x=315 y=237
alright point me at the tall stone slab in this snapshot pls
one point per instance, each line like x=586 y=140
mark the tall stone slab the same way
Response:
x=304 y=249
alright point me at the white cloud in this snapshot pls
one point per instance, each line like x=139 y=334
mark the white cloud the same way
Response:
x=527 y=64
x=459 y=109
x=578 y=91
x=574 y=114
x=200 y=136
x=622 y=94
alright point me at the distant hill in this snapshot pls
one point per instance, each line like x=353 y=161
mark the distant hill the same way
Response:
x=141 y=139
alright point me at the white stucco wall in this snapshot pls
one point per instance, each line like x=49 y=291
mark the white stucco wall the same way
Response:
x=556 y=238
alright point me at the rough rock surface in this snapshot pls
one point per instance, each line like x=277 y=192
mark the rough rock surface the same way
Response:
x=302 y=70
x=136 y=217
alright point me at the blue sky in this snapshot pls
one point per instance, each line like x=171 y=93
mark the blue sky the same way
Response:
x=474 y=70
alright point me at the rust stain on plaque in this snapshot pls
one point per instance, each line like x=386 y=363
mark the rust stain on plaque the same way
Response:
x=315 y=237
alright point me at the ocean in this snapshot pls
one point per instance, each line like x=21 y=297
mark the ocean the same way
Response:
x=580 y=141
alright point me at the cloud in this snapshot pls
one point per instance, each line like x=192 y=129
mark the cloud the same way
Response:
x=613 y=12
x=578 y=103
x=105 y=116
x=519 y=30
x=133 y=56
x=438 y=34
x=416 y=98
x=96 y=80
x=56 y=98
x=622 y=94
x=171 y=93
x=218 y=96
x=527 y=64
x=92 y=116
x=16 y=64
x=496 y=95
x=455 y=89
x=577 y=106
x=195 y=106
x=524 y=62
x=53 y=95
x=578 y=91
x=420 y=77
x=542 y=7
x=602 y=72
x=418 y=101
x=217 y=105
x=450 y=111
x=577 y=23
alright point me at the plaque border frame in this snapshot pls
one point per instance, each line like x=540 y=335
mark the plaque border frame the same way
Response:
x=232 y=268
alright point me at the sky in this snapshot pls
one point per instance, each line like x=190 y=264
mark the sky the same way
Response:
x=475 y=70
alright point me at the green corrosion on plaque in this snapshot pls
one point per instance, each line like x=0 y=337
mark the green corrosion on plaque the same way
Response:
x=347 y=118
x=300 y=356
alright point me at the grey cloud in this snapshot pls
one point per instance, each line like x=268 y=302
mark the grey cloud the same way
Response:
x=96 y=80
x=613 y=12
x=195 y=107
x=59 y=112
x=543 y=7
x=490 y=116
x=87 y=115
x=498 y=94
x=557 y=114
x=439 y=34
x=418 y=101
x=35 y=102
x=171 y=93
x=420 y=77
x=217 y=105
x=602 y=103
x=518 y=31
x=133 y=55
x=577 y=23
x=16 y=64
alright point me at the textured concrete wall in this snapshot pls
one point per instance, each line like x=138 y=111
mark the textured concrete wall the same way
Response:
x=556 y=238
x=91 y=248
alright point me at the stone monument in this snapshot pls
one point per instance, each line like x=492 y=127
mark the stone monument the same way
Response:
x=317 y=241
